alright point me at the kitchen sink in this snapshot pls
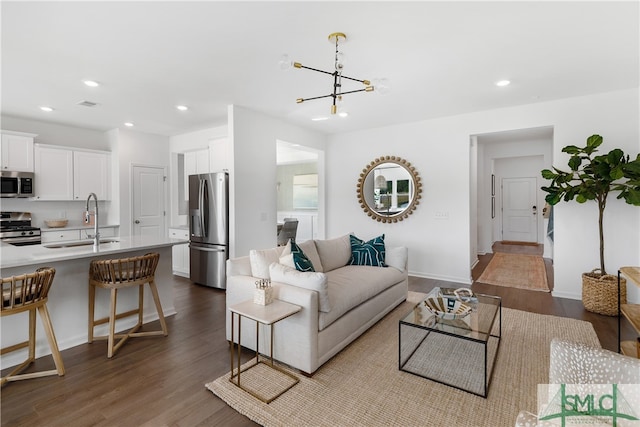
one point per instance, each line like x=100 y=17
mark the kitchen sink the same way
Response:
x=80 y=243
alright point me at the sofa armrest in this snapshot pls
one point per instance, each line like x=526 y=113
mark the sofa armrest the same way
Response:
x=239 y=266
x=574 y=363
x=296 y=337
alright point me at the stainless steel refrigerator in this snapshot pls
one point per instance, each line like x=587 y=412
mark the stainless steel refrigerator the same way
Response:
x=209 y=228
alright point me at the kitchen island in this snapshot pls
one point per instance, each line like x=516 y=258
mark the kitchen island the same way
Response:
x=68 y=298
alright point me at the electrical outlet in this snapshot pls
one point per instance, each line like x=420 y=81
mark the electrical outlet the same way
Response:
x=442 y=215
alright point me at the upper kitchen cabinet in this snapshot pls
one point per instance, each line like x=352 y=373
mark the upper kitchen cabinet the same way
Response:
x=62 y=173
x=17 y=151
x=91 y=174
x=53 y=173
x=219 y=151
x=196 y=162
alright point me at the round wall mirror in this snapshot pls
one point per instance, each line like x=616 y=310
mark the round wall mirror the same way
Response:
x=389 y=189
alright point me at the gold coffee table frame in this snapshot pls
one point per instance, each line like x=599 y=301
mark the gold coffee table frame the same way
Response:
x=267 y=315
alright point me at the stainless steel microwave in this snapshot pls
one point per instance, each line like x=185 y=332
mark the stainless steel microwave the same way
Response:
x=17 y=184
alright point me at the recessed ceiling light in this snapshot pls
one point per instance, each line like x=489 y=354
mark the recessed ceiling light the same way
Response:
x=47 y=109
x=319 y=119
x=182 y=107
x=343 y=114
x=502 y=83
x=128 y=124
x=91 y=83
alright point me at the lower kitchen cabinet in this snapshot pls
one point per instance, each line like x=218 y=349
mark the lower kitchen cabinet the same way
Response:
x=180 y=253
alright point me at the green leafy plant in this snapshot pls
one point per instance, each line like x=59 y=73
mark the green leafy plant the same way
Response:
x=593 y=177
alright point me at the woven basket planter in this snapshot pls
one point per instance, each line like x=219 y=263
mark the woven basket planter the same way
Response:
x=600 y=292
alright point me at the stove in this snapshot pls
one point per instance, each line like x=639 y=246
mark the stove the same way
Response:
x=16 y=229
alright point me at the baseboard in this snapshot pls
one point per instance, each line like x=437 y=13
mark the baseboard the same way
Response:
x=462 y=280
x=569 y=295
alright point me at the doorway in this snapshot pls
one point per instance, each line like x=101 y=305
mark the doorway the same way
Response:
x=148 y=201
x=507 y=155
x=299 y=188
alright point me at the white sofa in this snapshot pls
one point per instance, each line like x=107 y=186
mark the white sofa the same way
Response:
x=358 y=296
x=574 y=363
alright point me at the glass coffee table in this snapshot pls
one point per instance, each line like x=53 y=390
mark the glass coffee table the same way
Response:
x=460 y=353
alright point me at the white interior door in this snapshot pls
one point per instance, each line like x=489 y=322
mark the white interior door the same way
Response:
x=519 y=210
x=148 y=201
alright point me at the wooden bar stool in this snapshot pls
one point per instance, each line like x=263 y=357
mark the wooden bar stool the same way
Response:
x=114 y=274
x=29 y=292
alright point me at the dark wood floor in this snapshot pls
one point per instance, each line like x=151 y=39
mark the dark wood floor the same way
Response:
x=160 y=381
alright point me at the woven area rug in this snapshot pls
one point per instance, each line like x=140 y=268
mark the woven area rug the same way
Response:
x=362 y=386
x=516 y=271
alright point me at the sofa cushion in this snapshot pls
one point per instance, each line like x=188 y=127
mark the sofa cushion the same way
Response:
x=261 y=259
x=309 y=248
x=352 y=285
x=313 y=281
x=334 y=253
x=292 y=256
x=367 y=253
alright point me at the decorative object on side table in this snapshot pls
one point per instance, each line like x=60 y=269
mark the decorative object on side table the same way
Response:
x=592 y=178
x=263 y=294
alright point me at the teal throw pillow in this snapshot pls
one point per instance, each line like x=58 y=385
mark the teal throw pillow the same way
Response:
x=300 y=260
x=367 y=253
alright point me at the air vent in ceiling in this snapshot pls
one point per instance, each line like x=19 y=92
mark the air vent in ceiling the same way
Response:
x=87 y=103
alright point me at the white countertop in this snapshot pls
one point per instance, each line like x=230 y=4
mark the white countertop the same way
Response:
x=16 y=256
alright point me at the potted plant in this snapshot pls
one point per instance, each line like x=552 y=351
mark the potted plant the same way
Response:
x=593 y=177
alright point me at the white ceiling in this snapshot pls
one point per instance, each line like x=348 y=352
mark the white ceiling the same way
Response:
x=442 y=59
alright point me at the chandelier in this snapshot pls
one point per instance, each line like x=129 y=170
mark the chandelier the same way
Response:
x=337 y=75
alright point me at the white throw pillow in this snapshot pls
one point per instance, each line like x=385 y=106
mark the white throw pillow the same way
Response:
x=396 y=257
x=334 y=253
x=260 y=260
x=314 y=281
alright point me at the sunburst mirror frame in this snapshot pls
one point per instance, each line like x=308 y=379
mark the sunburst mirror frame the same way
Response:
x=415 y=199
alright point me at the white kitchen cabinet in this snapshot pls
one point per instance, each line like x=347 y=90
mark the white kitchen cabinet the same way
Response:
x=61 y=235
x=62 y=173
x=53 y=173
x=195 y=162
x=16 y=153
x=180 y=253
x=218 y=150
x=91 y=174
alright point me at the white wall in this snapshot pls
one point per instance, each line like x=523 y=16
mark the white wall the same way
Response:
x=252 y=182
x=440 y=151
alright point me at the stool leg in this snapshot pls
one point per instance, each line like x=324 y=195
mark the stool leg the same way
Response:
x=32 y=335
x=112 y=321
x=92 y=305
x=156 y=299
x=51 y=337
x=140 y=303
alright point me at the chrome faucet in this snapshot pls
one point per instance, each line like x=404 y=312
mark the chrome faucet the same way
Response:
x=96 y=237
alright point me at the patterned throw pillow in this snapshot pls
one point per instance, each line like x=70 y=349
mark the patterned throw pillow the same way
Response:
x=293 y=257
x=367 y=253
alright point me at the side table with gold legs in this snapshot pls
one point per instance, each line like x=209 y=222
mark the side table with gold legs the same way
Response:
x=266 y=315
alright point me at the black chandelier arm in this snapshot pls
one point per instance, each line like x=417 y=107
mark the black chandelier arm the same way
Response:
x=364 y=82
x=300 y=100
x=354 y=91
x=298 y=65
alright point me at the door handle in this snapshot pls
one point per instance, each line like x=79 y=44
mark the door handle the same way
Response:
x=200 y=248
x=535 y=210
x=137 y=221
